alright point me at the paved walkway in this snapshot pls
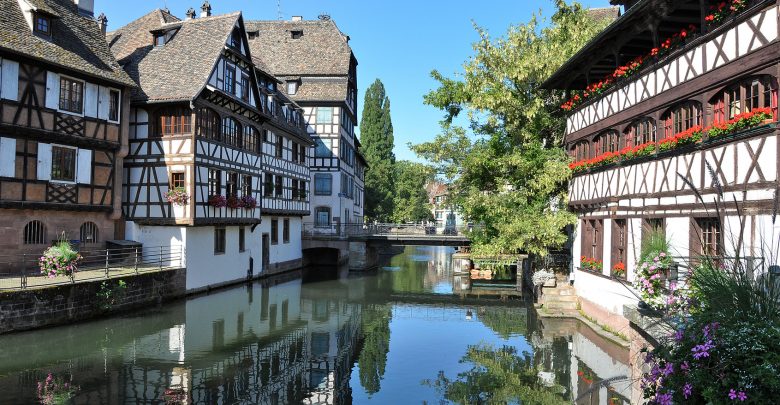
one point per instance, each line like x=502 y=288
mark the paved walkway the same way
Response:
x=84 y=275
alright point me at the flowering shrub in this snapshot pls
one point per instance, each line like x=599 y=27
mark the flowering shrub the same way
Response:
x=627 y=70
x=55 y=390
x=177 y=196
x=59 y=260
x=218 y=201
x=724 y=9
x=627 y=153
x=740 y=122
x=234 y=202
x=650 y=278
x=248 y=202
x=591 y=264
x=619 y=270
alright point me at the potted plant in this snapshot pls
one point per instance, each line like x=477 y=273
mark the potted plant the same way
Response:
x=177 y=196
x=217 y=201
x=59 y=260
x=248 y=202
x=591 y=264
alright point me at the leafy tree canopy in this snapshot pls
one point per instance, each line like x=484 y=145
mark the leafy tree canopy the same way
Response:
x=410 y=201
x=511 y=175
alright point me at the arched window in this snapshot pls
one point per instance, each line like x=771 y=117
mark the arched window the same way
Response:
x=681 y=118
x=251 y=139
x=581 y=150
x=607 y=141
x=88 y=232
x=745 y=96
x=209 y=124
x=174 y=121
x=231 y=132
x=640 y=132
x=35 y=233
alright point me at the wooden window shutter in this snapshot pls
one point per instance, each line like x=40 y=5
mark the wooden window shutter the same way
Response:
x=52 y=90
x=103 y=102
x=9 y=79
x=44 y=161
x=84 y=167
x=7 y=157
x=695 y=238
x=91 y=100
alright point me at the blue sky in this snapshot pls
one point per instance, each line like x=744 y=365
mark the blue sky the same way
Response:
x=398 y=41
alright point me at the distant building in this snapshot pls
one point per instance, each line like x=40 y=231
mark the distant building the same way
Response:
x=444 y=213
x=319 y=72
x=63 y=123
x=206 y=120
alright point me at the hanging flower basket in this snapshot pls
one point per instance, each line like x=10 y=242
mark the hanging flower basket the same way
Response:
x=217 y=201
x=651 y=273
x=59 y=260
x=234 y=202
x=249 y=202
x=178 y=196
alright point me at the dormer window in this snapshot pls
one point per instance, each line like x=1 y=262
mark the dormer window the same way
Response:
x=162 y=38
x=296 y=34
x=159 y=40
x=292 y=87
x=253 y=34
x=42 y=24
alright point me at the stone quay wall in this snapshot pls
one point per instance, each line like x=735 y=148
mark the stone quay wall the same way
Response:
x=63 y=304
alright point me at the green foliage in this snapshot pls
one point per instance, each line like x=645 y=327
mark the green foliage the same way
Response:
x=654 y=241
x=512 y=176
x=110 y=295
x=410 y=202
x=506 y=322
x=376 y=136
x=497 y=376
x=376 y=344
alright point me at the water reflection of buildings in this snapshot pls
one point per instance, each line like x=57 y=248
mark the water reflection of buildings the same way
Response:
x=263 y=344
x=593 y=370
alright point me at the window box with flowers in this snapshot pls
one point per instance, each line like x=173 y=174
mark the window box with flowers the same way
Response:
x=217 y=201
x=234 y=202
x=619 y=270
x=688 y=137
x=591 y=264
x=724 y=9
x=177 y=196
x=757 y=117
x=248 y=202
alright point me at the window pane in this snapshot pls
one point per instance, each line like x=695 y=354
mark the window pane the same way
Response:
x=323 y=148
x=324 y=115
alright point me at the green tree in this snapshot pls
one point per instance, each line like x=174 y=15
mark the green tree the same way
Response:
x=410 y=201
x=376 y=135
x=511 y=176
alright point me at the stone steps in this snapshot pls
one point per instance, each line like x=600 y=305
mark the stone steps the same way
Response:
x=555 y=305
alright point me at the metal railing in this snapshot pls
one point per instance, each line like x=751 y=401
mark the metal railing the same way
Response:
x=347 y=230
x=22 y=271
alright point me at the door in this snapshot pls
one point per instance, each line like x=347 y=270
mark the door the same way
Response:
x=266 y=250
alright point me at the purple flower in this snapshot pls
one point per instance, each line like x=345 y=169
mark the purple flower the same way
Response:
x=687 y=389
x=700 y=351
x=742 y=396
x=664 y=399
x=668 y=369
x=732 y=394
x=678 y=335
x=662 y=254
x=685 y=366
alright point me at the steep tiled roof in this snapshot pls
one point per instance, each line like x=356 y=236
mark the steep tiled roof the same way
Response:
x=607 y=14
x=76 y=42
x=127 y=39
x=319 y=89
x=322 y=49
x=179 y=69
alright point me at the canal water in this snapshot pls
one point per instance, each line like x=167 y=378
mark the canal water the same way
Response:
x=405 y=334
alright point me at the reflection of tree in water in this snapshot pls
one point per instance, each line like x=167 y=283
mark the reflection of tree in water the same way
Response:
x=376 y=345
x=497 y=376
x=506 y=322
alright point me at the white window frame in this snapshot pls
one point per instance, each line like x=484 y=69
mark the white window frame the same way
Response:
x=83 y=96
x=108 y=107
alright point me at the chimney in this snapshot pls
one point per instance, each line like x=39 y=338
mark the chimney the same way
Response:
x=191 y=14
x=205 y=9
x=102 y=22
x=86 y=7
x=297 y=18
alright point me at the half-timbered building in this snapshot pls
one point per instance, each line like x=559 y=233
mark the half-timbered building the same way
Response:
x=194 y=173
x=672 y=104
x=63 y=127
x=286 y=146
x=319 y=72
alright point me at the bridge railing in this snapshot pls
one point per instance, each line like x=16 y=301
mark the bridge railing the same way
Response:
x=377 y=229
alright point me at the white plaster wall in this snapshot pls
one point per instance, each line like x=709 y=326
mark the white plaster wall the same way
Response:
x=607 y=248
x=282 y=252
x=576 y=249
x=609 y=294
x=152 y=237
x=601 y=363
x=634 y=247
x=678 y=233
x=204 y=268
